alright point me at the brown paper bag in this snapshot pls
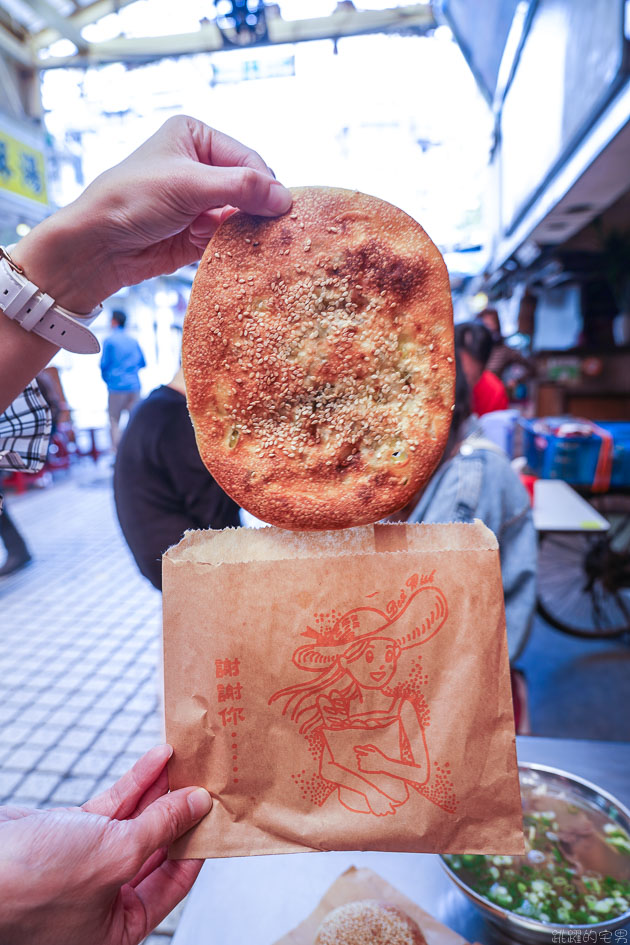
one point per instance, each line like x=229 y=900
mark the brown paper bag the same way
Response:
x=341 y=690
x=356 y=884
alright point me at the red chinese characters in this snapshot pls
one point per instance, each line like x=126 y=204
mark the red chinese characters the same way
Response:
x=228 y=693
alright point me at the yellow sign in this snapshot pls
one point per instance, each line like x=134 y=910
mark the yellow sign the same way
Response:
x=22 y=169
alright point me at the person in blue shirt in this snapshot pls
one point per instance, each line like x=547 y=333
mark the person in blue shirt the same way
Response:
x=121 y=361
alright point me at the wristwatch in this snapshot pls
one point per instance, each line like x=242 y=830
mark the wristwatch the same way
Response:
x=33 y=310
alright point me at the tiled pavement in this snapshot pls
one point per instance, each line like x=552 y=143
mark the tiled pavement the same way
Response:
x=79 y=635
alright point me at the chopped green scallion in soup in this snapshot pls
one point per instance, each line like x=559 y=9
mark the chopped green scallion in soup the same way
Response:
x=576 y=870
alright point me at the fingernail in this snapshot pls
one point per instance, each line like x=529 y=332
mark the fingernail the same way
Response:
x=161 y=752
x=227 y=212
x=199 y=802
x=279 y=199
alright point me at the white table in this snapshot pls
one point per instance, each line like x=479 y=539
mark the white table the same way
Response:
x=255 y=900
x=559 y=508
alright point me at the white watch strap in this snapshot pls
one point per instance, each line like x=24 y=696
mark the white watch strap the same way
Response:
x=35 y=311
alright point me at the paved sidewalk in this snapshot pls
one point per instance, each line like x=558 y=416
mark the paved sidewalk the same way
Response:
x=78 y=651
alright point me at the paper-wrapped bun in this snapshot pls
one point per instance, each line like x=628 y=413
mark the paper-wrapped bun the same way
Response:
x=369 y=922
x=318 y=356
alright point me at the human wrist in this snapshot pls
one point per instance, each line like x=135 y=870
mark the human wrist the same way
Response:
x=63 y=257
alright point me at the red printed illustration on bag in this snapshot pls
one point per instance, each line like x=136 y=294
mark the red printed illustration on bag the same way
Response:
x=363 y=712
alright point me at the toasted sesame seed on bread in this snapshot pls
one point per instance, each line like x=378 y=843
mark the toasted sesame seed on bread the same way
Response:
x=369 y=922
x=318 y=359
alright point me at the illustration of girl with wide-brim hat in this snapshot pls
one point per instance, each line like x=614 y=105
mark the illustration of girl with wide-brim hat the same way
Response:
x=373 y=738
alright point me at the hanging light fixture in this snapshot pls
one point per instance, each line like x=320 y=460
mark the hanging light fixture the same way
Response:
x=242 y=22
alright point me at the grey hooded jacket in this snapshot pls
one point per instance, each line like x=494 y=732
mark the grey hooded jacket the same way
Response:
x=478 y=482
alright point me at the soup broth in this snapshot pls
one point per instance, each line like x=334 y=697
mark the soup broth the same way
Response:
x=576 y=870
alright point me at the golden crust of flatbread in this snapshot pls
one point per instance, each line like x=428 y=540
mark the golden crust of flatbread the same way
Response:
x=318 y=359
x=369 y=922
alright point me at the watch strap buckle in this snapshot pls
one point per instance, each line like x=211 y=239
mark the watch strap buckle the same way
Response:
x=16 y=268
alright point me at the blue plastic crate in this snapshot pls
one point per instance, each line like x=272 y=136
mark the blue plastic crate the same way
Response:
x=574 y=458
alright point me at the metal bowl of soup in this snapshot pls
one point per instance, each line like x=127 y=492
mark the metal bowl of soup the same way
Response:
x=573 y=884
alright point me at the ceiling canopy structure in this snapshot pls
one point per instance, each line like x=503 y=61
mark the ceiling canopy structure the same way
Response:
x=30 y=30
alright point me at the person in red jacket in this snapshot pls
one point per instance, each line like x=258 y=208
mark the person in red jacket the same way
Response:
x=474 y=344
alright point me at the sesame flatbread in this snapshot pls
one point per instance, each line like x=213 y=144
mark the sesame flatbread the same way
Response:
x=369 y=922
x=318 y=359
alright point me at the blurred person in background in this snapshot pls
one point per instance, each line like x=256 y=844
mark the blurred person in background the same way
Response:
x=18 y=555
x=473 y=342
x=476 y=481
x=509 y=364
x=121 y=361
x=53 y=396
x=161 y=486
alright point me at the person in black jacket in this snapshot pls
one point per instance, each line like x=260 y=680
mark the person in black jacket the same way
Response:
x=161 y=486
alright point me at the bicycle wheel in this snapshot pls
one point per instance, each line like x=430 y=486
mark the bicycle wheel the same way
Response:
x=584 y=577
